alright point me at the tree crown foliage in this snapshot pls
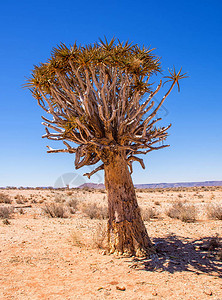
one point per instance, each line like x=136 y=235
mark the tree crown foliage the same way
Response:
x=94 y=94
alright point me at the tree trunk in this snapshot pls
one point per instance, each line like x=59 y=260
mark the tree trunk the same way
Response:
x=126 y=231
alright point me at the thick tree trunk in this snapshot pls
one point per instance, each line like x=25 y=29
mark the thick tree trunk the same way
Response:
x=126 y=231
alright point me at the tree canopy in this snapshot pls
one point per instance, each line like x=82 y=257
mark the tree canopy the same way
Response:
x=95 y=94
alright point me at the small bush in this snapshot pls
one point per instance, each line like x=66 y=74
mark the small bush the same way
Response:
x=149 y=213
x=5 y=198
x=5 y=212
x=182 y=211
x=58 y=198
x=93 y=211
x=214 y=211
x=73 y=203
x=100 y=239
x=20 y=199
x=76 y=239
x=55 y=210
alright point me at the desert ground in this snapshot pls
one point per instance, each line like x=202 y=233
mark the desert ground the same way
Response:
x=53 y=246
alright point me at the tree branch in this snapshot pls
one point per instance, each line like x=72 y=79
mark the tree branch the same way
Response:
x=101 y=167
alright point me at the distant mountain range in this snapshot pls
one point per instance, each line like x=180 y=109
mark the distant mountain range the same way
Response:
x=158 y=185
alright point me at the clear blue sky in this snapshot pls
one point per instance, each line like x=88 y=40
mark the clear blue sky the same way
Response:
x=184 y=33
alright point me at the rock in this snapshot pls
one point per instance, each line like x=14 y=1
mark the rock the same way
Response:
x=208 y=292
x=154 y=293
x=120 y=288
x=6 y=222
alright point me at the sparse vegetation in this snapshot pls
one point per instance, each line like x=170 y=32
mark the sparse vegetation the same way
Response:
x=5 y=199
x=93 y=211
x=182 y=211
x=214 y=211
x=76 y=238
x=5 y=212
x=100 y=239
x=73 y=203
x=55 y=210
x=75 y=246
x=59 y=198
x=20 y=199
x=149 y=213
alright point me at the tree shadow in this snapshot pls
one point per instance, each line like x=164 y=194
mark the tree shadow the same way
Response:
x=178 y=254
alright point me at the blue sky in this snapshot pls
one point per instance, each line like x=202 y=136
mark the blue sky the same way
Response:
x=184 y=33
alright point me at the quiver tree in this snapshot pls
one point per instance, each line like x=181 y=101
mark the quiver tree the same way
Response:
x=95 y=95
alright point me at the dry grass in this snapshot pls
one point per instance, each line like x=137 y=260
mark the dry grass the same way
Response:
x=76 y=239
x=5 y=212
x=55 y=210
x=100 y=240
x=97 y=239
x=214 y=211
x=149 y=213
x=5 y=199
x=73 y=203
x=182 y=211
x=59 y=198
x=20 y=199
x=93 y=211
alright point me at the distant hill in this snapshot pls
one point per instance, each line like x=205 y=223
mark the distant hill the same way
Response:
x=157 y=185
x=92 y=186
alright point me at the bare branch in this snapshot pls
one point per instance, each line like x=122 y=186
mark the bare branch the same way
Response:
x=101 y=167
x=134 y=158
x=51 y=150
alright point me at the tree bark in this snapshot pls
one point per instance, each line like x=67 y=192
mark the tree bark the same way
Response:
x=127 y=234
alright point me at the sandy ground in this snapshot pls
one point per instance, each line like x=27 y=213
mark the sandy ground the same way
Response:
x=55 y=258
